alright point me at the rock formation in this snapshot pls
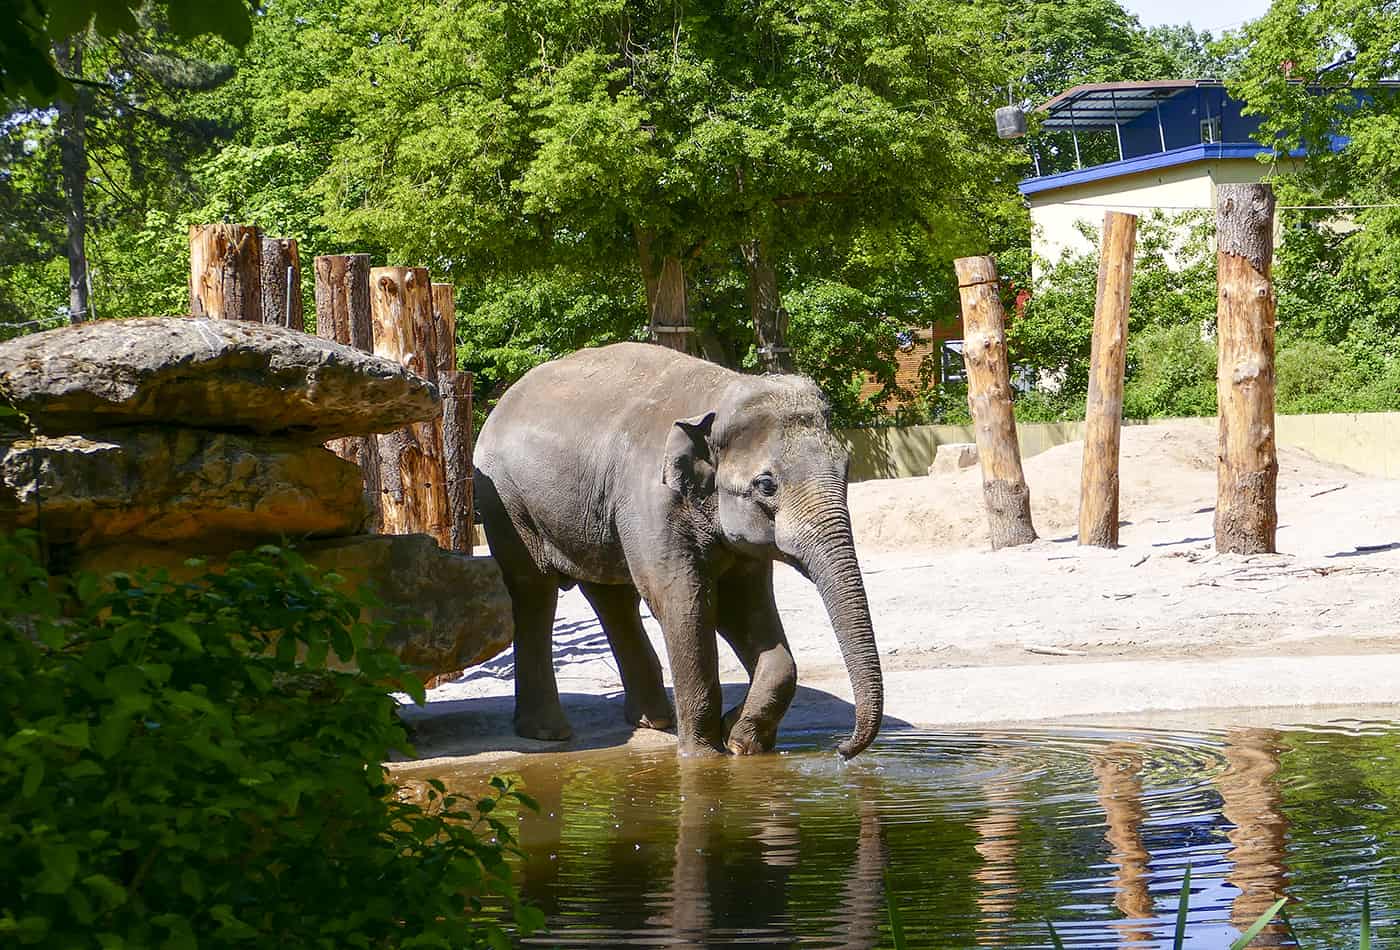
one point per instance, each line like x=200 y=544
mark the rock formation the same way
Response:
x=154 y=440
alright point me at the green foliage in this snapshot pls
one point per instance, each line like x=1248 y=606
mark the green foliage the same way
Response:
x=30 y=28
x=184 y=766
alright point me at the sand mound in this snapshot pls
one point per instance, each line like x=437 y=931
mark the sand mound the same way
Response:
x=1164 y=471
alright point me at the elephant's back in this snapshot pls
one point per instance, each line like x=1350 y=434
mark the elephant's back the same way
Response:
x=634 y=391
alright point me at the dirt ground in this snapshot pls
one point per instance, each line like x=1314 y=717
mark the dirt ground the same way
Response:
x=1061 y=625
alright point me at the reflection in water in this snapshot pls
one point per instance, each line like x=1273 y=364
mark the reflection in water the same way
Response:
x=1118 y=772
x=985 y=836
x=996 y=843
x=1252 y=801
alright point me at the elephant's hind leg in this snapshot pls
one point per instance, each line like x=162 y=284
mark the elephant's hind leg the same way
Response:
x=618 y=611
x=534 y=595
x=748 y=620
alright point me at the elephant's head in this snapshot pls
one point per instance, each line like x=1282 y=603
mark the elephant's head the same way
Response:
x=774 y=480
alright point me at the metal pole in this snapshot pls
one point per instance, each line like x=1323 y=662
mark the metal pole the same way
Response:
x=1161 y=135
x=287 y=317
x=1074 y=134
x=1117 y=129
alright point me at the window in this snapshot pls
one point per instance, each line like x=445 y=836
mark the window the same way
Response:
x=1210 y=129
x=953 y=369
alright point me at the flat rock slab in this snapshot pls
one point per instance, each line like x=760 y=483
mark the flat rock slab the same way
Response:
x=952 y=457
x=218 y=374
x=168 y=484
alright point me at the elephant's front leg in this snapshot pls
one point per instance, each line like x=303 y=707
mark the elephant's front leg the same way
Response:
x=684 y=604
x=748 y=620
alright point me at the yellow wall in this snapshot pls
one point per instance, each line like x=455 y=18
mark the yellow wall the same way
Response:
x=1366 y=442
x=1055 y=215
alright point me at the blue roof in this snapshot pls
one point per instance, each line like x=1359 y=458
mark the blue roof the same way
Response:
x=1143 y=163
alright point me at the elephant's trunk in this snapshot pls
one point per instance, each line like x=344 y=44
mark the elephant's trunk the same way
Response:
x=821 y=543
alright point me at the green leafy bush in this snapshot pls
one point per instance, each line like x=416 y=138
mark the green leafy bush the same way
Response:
x=1171 y=373
x=182 y=766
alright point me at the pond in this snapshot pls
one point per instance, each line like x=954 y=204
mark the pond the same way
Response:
x=980 y=837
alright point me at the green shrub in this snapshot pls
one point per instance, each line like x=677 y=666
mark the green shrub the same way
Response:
x=174 y=775
x=1171 y=372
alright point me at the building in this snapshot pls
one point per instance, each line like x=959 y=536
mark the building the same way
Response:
x=1175 y=140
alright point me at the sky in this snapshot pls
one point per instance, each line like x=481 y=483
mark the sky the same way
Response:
x=1210 y=15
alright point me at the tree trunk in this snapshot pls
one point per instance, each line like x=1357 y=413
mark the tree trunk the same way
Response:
x=1103 y=416
x=73 y=163
x=343 y=315
x=412 y=474
x=226 y=272
x=668 y=310
x=770 y=320
x=989 y=399
x=1246 y=510
x=281 y=283
x=457 y=456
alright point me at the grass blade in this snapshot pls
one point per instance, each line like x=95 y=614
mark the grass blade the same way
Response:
x=1366 y=919
x=896 y=921
x=1184 y=902
x=1260 y=924
x=1054 y=937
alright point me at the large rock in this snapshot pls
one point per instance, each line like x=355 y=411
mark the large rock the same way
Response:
x=167 y=484
x=219 y=374
x=446 y=611
x=953 y=457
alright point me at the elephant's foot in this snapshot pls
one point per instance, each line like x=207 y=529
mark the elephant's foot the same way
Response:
x=652 y=713
x=745 y=737
x=550 y=725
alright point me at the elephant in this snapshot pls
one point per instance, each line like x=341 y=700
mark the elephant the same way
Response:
x=638 y=472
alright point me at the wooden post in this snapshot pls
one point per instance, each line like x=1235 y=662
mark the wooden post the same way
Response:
x=457 y=456
x=1103 y=416
x=281 y=283
x=445 y=328
x=989 y=399
x=225 y=278
x=1246 y=508
x=412 y=474
x=343 y=315
x=456 y=419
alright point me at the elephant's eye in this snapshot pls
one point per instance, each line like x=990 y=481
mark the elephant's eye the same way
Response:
x=766 y=485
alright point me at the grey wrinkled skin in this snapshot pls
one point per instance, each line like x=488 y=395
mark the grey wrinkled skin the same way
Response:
x=635 y=471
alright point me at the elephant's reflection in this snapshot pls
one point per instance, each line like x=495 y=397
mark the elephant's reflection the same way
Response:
x=735 y=860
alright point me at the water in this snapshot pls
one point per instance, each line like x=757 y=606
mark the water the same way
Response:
x=982 y=837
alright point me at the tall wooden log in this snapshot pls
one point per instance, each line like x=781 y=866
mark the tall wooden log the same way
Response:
x=281 y=283
x=770 y=318
x=412 y=475
x=1246 y=508
x=225 y=271
x=1103 y=416
x=457 y=456
x=343 y=315
x=668 y=309
x=445 y=329
x=989 y=399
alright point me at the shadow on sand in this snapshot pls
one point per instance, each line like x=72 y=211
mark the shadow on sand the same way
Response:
x=483 y=725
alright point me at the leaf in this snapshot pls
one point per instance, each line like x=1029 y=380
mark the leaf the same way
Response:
x=1054 y=937
x=33 y=778
x=1260 y=924
x=182 y=631
x=1183 y=904
x=60 y=863
x=1366 y=919
x=896 y=920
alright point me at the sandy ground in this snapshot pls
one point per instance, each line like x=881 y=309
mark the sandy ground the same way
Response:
x=1048 y=630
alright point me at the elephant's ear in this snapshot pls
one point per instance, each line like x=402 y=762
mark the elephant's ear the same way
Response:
x=689 y=465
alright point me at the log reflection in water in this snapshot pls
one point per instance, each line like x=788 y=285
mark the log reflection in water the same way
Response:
x=1118 y=772
x=1252 y=801
x=997 y=839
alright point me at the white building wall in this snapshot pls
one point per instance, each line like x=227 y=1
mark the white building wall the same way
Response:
x=1056 y=215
